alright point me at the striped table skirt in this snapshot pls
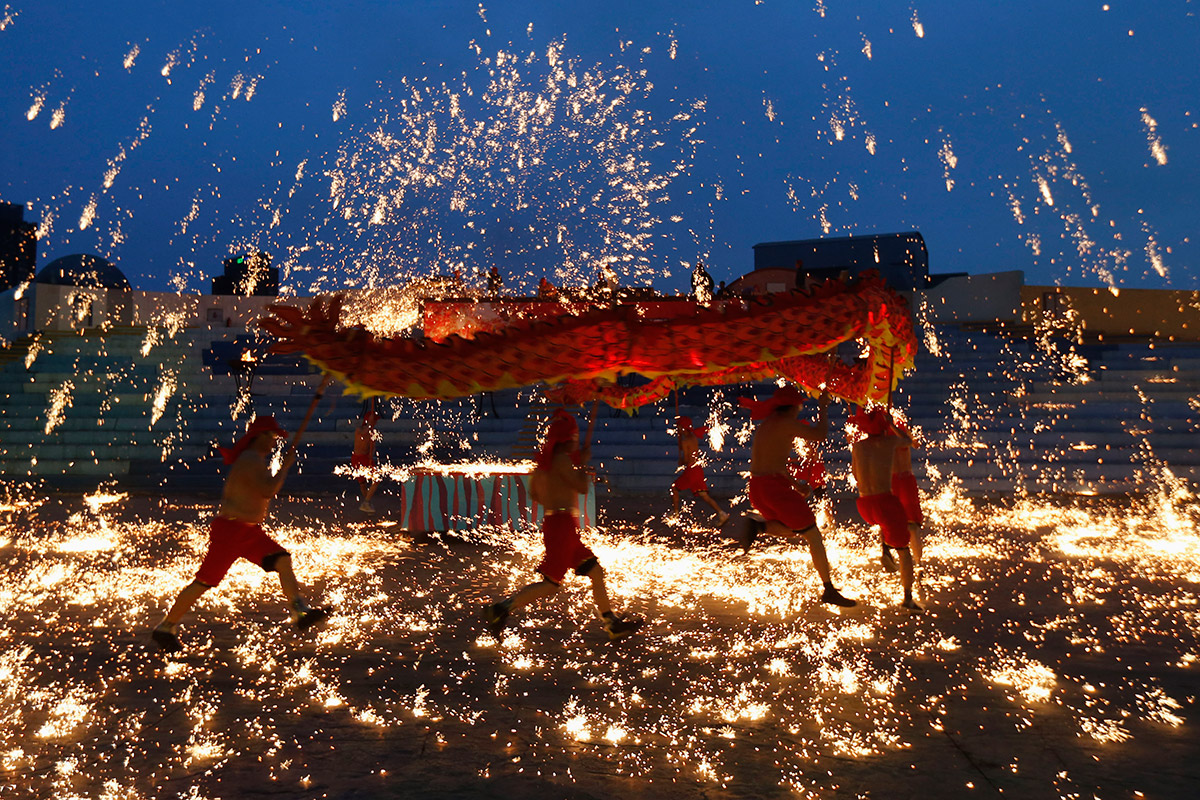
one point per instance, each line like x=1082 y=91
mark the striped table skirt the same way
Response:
x=445 y=500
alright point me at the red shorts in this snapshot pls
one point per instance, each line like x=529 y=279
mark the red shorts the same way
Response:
x=564 y=550
x=904 y=486
x=885 y=511
x=229 y=540
x=692 y=480
x=777 y=500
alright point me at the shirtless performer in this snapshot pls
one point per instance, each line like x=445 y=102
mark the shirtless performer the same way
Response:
x=772 y=490
x=236 y=532
x=692 y=478
x=364 y=456
x=871 y=460
x=557 y=483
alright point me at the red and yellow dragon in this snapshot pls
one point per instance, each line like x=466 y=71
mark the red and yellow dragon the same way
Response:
x=790 y=335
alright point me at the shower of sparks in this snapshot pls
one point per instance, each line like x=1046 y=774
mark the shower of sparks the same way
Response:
x=543 y=164
x=949 y=162
x=166 y=388
x=1154 y=252
x=1044 y=187
x=60 y=401
x=738 y=673
x=89 y=214
x=1092 y=246
x=1157 y=148
x=59 y=116
x=535 y=157
x=918 y=27
x=198 y=97
x=39 y=100
x=539 y=163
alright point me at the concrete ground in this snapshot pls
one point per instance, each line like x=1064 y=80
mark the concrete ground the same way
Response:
x=1056 y=658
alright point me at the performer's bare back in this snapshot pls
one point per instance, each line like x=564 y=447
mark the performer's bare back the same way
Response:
x=772 y=443
x=871 y=462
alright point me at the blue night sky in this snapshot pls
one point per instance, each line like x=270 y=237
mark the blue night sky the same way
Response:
x=367 y=142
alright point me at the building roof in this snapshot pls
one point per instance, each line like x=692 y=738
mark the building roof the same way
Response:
x=84 y=270
x=860 y=238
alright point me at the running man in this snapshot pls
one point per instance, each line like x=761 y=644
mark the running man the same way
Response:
x=692 y=478
x=236 y=532
x=557 y=482
x=772 y=491
x=365 y=437
x=871 y=460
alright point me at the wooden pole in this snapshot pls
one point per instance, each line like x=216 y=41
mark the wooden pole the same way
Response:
x=678 y=433
x=311 y=408
x=891 y=368
x=592 y=422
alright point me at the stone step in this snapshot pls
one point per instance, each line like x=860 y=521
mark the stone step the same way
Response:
x=107 y=450
x=50 y=468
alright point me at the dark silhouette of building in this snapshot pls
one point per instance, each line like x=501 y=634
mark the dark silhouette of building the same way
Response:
x=900 y=257
x=250 y=275
x=85 y=270
x=88 y=289
x=18 y=246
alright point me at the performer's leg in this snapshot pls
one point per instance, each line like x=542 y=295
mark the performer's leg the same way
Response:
x=914 y=542
x=183 y=603
x=530 y=594
x=599 y=590
x=287 y=578
x=777 y=528
x=820 y=560
x=615 y=626
x=906 y=577
x=304 y=615
x=165 y=634
x=816 y=549
x=706 y=497
x=497 y=613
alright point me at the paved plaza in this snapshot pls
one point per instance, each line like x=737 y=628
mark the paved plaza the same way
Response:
x=1056 y=658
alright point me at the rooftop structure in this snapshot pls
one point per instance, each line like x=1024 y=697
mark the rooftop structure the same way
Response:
x=900 y=257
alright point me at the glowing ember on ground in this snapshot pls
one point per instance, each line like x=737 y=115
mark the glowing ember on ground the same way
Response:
x=1075 y=623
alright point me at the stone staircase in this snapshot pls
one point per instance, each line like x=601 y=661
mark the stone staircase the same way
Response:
x=1003 y=416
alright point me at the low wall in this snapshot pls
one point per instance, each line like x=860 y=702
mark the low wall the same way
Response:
x=992 y=297
x=1149 y=313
